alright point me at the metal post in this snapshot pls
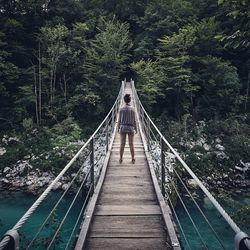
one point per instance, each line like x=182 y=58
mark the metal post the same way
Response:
x=162 y=169
x=13 y=242
x=112 y=120
x=107 y=135
x=92 y=165
x=242 y=241
x=148 y=133
x=143 y=122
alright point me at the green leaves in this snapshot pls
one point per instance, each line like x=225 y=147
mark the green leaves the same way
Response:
x=106 y=59
x=149 y=81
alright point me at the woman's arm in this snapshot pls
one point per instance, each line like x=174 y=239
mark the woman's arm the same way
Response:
x=119 y=121
x=134 y=117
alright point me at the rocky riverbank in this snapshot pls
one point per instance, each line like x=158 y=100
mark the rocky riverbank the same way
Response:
x=23 y=176
x=237 y=178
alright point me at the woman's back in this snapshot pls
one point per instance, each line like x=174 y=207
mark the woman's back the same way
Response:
x=127 y=115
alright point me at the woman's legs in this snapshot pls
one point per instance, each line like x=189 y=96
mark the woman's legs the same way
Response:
x=131 y=146
x=122 y=145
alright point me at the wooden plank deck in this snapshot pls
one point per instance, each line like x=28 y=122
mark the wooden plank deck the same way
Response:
x=127 y=213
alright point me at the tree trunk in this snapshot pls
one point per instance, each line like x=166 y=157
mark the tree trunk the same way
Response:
x=247 y=91
x=65 y=87
x=39 y=85
x=35 y=83
x=51 y=87
x=54 y=83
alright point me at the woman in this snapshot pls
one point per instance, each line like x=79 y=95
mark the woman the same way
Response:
x=127 y=126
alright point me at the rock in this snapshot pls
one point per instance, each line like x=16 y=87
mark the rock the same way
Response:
x=65 y=186
x=57 y=186
x=206 y=146
x=218 y=140
x=221 y=155
x=31 y=190
x=2 y=151
x=192 y=183
x=28 y=183
x=6 y=170
x=220 y=147
x=4 y=180
x=225 y=176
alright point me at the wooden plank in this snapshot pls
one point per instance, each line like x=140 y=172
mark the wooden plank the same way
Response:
x=128 y=172
x=127 y=226
x=127 y=154
x=130 y=200
x=126 y=196
x=127 y=210
x=125 y=164
x=139 y=146
x=127 y=244
x=140 y=160
x=124 y=189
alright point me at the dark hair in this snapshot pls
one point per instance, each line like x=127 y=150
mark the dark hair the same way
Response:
x=127 y=98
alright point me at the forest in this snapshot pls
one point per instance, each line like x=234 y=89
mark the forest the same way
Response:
x=62 y=62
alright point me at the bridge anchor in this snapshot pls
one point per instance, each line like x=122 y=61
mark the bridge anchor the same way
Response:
x=242 y=241
x=13 y=243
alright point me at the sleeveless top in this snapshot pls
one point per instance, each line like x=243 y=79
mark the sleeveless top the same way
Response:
x=127 y=119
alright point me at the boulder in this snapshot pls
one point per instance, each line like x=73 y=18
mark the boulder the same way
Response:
x=6 y=170
x=57 y=185
x=65 y=186
x=192 y=183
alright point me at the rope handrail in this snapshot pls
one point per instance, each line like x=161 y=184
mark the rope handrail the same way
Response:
x=218 y=207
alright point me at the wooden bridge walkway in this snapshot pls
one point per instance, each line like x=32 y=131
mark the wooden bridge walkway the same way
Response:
x=126 y=211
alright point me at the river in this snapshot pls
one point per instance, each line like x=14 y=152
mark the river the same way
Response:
x=14 y=204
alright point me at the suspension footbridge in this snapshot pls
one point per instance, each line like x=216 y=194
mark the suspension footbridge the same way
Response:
x=123 y=205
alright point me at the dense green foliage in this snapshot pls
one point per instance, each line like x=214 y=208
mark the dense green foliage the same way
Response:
x=61 y=63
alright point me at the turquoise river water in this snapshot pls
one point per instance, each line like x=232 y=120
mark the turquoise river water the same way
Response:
x=13 y=205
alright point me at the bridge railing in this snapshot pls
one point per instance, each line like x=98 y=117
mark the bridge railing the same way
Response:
x=172 y=174
x=84 y=170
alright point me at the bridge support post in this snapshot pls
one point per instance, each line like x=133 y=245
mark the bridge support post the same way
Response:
x=162 y=169
x=148 y=133
x=242 y=241
x=13 y=242
x=92 y=166
x=107 y=134
x=112 y=120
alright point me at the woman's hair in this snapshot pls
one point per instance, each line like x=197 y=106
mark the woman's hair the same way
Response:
x=127 y=98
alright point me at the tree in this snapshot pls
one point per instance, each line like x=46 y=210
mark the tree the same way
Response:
x=9 y=73
x=219 y=87
x=106 y=60
x=173 y=57
x=238 y=37
x=149 y=78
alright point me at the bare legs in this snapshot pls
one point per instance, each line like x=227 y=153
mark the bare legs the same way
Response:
x=123 y=142
x=131 y=145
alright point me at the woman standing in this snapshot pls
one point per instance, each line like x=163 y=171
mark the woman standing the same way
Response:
x=127 y=126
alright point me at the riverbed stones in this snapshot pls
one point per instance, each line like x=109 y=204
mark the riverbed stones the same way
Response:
x=192 y=183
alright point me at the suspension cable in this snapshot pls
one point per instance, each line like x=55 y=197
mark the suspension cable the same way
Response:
x=177 y=218
x=65 y=216
x=188 y=214
x=198 y=207
x=77 y=221
x=54 y=208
